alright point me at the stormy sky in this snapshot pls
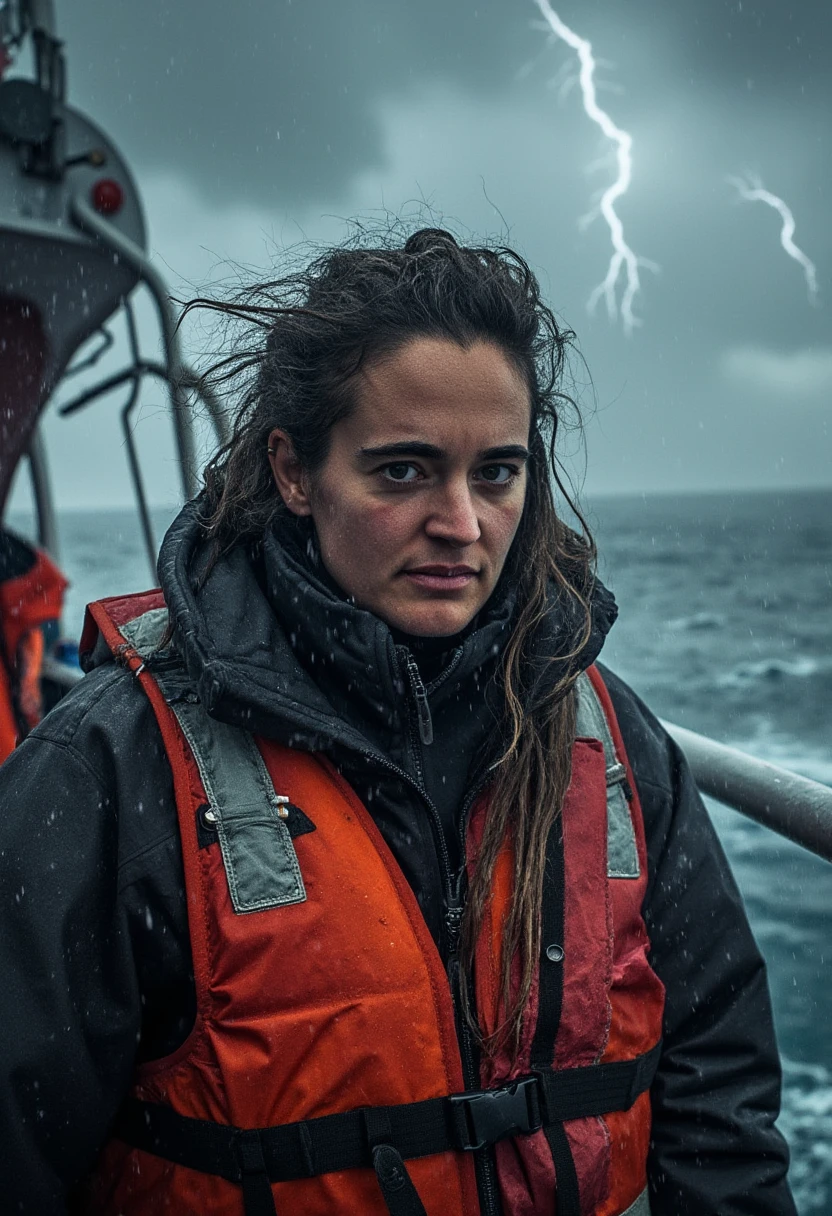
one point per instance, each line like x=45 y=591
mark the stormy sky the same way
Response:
x=254 y=125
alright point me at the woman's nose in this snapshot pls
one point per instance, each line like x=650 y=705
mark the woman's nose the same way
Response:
x=453 y=516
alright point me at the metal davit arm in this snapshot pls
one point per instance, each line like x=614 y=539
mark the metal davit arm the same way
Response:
x=42 y=493
x=792 y=806
x=90 y=222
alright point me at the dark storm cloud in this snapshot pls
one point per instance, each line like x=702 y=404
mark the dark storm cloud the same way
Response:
x=273 y=101
x=277 y=102
x=251 y=125
x=730 y=45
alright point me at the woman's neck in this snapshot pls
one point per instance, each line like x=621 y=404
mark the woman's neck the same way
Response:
x=429 y=651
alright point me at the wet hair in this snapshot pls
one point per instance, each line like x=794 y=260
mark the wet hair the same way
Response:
x=318 y=327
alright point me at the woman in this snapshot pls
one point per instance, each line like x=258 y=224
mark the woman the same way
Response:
x=346 y=881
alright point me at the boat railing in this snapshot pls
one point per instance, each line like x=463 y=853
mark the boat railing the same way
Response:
x=133 y=375
x=180 y=379
x=41 y=493
x=791 y=805
x=183 y=384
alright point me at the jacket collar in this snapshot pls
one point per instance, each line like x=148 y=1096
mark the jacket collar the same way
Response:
x=271 y=646
x=352 y=655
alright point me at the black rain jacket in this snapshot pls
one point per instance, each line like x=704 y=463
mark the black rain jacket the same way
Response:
x=95 y=968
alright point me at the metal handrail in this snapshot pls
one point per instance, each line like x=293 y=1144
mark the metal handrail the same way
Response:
x=792 y=806
x=133 y=376
x=44 y=506
x=189 y=378
x=90 y=222
x=130 y=443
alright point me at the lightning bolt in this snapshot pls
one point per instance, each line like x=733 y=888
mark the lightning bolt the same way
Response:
x=752 y=191
x=623 y=258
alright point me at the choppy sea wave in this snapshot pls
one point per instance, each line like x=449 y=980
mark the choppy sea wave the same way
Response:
x=775 y=670
x=806 y=1112
x=696 y=622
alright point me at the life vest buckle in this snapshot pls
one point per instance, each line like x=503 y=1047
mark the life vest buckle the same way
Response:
x=489 y=1115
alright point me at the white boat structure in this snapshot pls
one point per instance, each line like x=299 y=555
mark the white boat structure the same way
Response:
x=73 y=252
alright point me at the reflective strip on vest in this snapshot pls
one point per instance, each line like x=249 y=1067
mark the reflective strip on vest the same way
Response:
x=622 y=855
x=257 y=850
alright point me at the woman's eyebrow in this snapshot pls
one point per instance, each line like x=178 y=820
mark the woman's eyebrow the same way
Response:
x=509 y=451
x=409 y=447
x=415 y=447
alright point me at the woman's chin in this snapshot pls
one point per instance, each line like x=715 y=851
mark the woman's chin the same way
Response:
x=440 y=619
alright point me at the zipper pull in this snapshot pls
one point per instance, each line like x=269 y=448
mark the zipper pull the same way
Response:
x=453 y=924
x=422 y=707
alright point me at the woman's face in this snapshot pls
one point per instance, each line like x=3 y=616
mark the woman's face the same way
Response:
x=422 y=490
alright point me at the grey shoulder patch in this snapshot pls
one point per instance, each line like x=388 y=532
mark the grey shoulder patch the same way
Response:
x=257 y=851
x=622 y=854
x=145 y=632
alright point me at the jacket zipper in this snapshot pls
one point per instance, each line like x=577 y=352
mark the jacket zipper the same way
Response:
x=484 y=1159
x=447 y=671
x=454 y=907
x=420 y=696
x=420 y=692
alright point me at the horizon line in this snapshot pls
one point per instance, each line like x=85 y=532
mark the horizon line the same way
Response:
x=685 y=492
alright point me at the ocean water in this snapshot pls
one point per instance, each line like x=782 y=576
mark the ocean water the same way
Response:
x=726 y=628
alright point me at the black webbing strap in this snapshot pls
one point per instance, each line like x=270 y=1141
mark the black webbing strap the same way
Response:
x=251 y=1158
x=550 y=982
x=597 y=1089
x=566 y=1176
x=257 y=1190
x=550 y=1001
x=399 y=1193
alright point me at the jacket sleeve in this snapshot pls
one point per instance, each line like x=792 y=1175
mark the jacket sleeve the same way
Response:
x=715 y=1150
x=71 y=1000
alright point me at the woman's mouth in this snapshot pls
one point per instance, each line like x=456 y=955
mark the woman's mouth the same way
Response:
x=436 y=577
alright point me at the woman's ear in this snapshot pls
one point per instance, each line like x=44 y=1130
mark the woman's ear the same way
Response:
x=289 y=475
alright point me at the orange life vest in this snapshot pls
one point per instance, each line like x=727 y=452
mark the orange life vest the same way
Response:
x=27 y=602
x=323 y=1073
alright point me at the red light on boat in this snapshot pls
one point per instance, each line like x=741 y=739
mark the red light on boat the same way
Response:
x=107 y=196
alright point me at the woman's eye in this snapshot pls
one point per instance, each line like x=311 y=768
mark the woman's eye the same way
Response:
x=400 y=472
x=498 y=474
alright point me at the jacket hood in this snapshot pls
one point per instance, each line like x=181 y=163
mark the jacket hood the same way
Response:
x=270 y=645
